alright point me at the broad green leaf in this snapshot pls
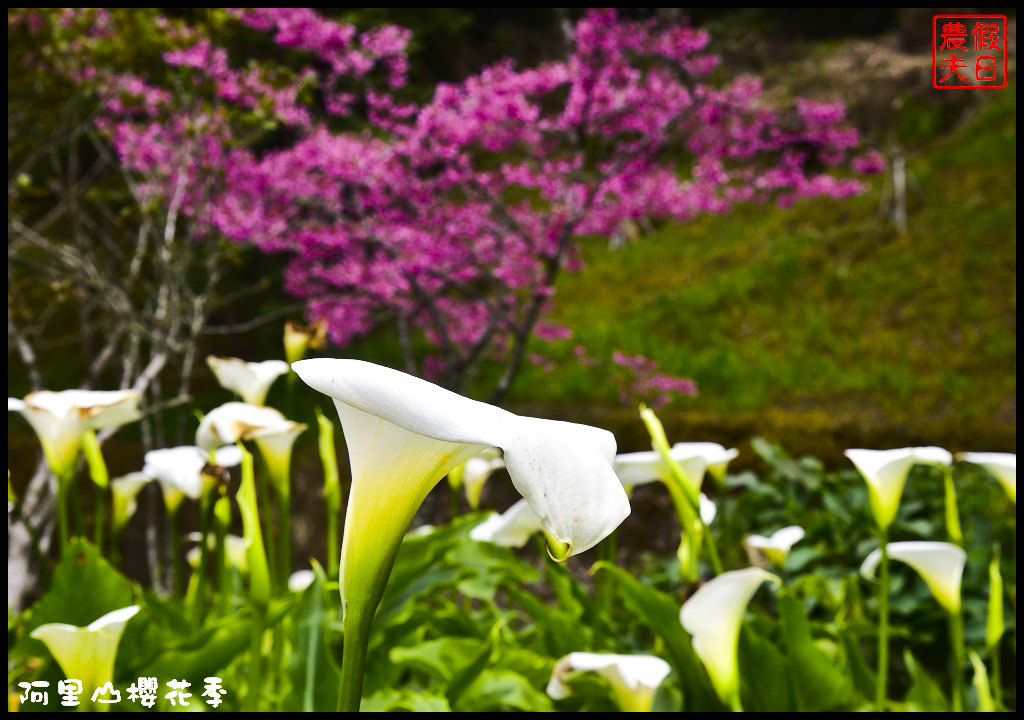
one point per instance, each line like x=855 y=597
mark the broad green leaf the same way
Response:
x=924 y=695
x=390 y=700
x=764 y=674
x=442 y=658
x=818 y=684
x=864 y=679
x=562 y=632
x=84 y=587
x=502 y=690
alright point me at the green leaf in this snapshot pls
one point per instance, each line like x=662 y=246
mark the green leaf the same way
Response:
x=84 y=587
x=818 y=684
x=502 y=690
x=313 y=673
x=764 y=674
x=562 y=633
x=925 y=695
x=660 y=612
x=390 y=700
x=442 y=658
x=863 y=679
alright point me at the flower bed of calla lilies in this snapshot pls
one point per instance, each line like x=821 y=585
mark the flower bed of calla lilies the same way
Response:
x=795 y=589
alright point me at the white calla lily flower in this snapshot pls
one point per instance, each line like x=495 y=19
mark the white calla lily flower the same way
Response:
x=300 y=580
x=404 y=434
x=697 y=458
x=885 y=472
x=272 y=432
x=475 y=473
x=60 y=419
x=179 y=471
x=634 y=679
x=87 y=653
x=249 y=380
x=512 y=528
x=774 y=549
x=1003 y=467
x=124 y=491
x=638 y=468
x=713 y=615
x=940 y=565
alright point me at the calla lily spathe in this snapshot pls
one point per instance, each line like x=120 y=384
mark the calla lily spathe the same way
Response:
x=87 y=653
x=885 y=472
x=1003 y=467
x=712 y=616
x=249 y=380
x=179 y=470
x=697 y=458
x=634 y=679
x=404 y=434
x=940 y=565
x=60 y=419
x=476 y=471
x=512 y=528
x=774 y=549
x=272 y=432
x=300 y=580
x=124 y=491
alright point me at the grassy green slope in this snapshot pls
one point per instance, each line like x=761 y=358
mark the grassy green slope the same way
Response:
x=823 y=316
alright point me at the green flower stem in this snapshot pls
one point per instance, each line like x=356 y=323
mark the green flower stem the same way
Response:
x=956 y=640
x=883 y=625
x=332 y=490
x=101 y=505
x=734 y=702
x=100 y=478
x=952 y=514
x=259 y=619
x=198 y=599
x=353 y=661
x=997 y=685
x=267 y=519
x=63 y=522
x=284 y=545
x=221 y=570
x=177 y=568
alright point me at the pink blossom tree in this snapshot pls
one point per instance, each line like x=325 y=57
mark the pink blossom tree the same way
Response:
x=449 y=222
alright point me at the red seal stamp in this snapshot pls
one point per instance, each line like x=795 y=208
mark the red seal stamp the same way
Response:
x=969 y=52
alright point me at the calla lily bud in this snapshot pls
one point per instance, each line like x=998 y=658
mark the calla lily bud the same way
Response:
x=299 y=338
x=250 y=380
x=124 y=491
x=940 y=565
x=995 y=625
x=885 y=472
x=775 y=549
x=476 y=470
x=713 y=615
x=87 y=653
x=634 y=679
x=1002 y=466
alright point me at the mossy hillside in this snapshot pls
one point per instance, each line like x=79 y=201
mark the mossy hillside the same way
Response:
x=824 y=313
